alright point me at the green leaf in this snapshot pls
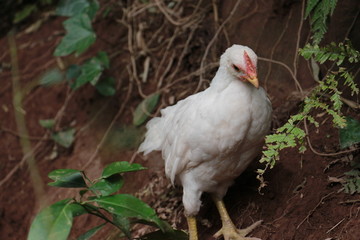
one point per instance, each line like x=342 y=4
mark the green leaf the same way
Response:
x=353 y=173
x=25 y=12
x=145 y=108
x=93 y=8
x=107 y=186
x=120 y=167
x=69 y=8
x=47 y=123
x=159 y=235
x=73 y=71
x=90 y=233
x=129 y=206
x=80 y=35
x=350 y=134
x=123 y=223
x=64 y=138
x=55 y=221
x=106 y=86
x=310 y=6
x=92 y=70
x=52 y=77
x=68 y=178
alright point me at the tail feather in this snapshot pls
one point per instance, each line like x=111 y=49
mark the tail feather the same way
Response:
x=153 y=139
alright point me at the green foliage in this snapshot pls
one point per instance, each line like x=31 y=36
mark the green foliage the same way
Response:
x=289 y=135
x=351 y=182
x=64 y=138
x=70 y=8
x=80 y=36
x=90 y=71
x=331 y=52
x=67 y=178
x=319 y=11
x=350 y=134
x=109 y=185
x=121 y=167
x=47 y=123
x=325 y=96
x=106 y=86
x=52 y=77
x=128 y=206
x=145 y=108
x=55 y=221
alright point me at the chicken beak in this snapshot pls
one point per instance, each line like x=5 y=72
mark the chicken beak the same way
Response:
x=253 y=80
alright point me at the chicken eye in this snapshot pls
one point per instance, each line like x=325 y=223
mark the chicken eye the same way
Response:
x=236 y=68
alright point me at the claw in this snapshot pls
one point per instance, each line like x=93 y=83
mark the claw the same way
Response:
x=228 y=230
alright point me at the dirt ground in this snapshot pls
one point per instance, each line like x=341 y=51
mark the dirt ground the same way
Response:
x=299 y=202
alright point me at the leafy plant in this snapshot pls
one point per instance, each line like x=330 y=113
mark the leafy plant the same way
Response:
x=97 y=197
x=145 y=108
x=351 y=181
x=325 y=96
x=350 y=134
x=319 y=11
x=79 y=37
x=64 y=138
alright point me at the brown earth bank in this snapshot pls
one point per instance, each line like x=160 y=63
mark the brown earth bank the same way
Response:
x=300 y=200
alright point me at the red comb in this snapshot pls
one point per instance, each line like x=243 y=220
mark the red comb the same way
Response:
x=250 y=68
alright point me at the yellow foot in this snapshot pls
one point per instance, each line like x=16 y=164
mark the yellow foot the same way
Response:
x=230 y=232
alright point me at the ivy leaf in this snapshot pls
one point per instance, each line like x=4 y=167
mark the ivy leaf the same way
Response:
x=47 y=123
x=70 y=8
x=67 y=178
x=52 y=77
x=64 y=138
x=92 y=70
x=145 y=108
x=129 y=206
x=107 y=186
x=73 y=71
x=120 y=167
x=80 y=35
x=106 y=86
x=350 y=134
x=55 y=221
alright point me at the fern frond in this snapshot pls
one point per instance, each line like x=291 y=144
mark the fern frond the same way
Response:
x=349 y=80
x=319 y=11
x=311 y=4
x=331 y=52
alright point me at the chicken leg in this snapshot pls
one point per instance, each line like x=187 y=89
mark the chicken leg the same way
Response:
x=193 y=235
x=228 y=230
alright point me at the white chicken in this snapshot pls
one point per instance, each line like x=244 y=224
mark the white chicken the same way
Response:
x=209 y=138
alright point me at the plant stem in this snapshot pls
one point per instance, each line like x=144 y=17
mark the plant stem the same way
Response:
x=19 y=114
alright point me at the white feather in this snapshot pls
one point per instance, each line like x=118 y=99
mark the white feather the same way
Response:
x=209 y=138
